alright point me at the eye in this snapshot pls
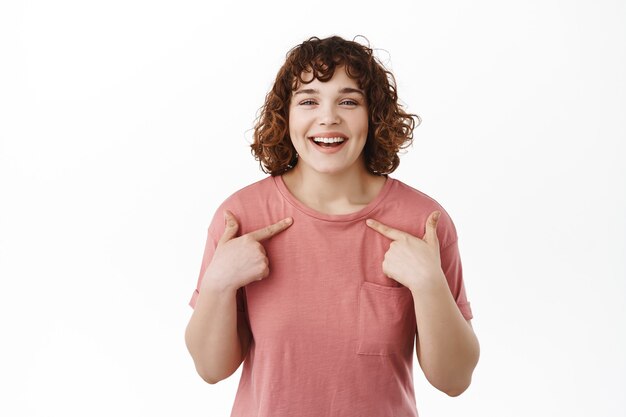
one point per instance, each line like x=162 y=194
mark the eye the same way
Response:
x=349 y=102
x=307 y=102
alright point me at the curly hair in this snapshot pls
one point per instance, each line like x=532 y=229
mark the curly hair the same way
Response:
x=389 y=127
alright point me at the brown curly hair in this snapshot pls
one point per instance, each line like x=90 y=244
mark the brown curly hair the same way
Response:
x=390 y=128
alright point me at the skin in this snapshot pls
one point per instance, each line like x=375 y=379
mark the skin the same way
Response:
x=447 y=348
x=330 y=183
x=319 y=107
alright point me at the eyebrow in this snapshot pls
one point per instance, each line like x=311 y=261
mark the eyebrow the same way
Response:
x=342 y=91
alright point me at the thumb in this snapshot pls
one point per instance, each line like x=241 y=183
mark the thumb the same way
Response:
x=232 y=226
x=430 y=234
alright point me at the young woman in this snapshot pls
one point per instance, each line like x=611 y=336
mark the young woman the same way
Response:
x=322 y=277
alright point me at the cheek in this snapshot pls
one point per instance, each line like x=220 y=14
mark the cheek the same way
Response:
x=292 y=131
x=295 y=122
x=359 y=121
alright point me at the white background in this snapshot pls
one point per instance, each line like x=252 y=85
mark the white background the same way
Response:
x=124 y=124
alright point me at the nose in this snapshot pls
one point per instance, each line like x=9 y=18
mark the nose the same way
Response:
x=329 y=116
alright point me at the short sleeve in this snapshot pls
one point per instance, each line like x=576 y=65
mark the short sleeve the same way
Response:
x=453 y=270
x=216 y=229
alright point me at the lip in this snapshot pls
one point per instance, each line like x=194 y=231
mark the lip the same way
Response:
x=329 y=135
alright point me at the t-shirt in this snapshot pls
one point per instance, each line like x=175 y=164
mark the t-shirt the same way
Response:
x=331 y=334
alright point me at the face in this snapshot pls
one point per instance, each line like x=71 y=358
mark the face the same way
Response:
x=328 y=124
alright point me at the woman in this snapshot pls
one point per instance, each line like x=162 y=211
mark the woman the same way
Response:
x=321 y=277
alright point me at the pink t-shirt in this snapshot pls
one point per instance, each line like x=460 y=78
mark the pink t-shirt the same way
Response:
x=332 y=335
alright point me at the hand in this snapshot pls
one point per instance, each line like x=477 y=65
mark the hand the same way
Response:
x=410 y=260
x=239 y=261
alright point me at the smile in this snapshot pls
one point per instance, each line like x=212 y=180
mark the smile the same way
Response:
x=328 y=144
x=328 y=141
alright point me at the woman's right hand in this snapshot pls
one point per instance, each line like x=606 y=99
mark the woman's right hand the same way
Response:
x=237 y=261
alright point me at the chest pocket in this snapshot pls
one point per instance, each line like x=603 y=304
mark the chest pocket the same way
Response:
x=386 y=320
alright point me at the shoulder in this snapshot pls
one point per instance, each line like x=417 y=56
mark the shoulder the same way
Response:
x=246 y=204
x=415 y=206
x=414 y=195
x=250 y=194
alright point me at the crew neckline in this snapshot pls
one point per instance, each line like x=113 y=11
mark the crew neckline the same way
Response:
x=291 y=199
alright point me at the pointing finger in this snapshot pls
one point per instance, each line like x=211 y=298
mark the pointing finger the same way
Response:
x=231 y=227
x=390 y=232
x=271 y=230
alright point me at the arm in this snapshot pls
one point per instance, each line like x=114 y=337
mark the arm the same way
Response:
x=217 y=335
x=217 y=341
x=447 y=348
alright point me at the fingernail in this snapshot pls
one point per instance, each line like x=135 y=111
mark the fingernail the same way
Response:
x=369 y=222
x=289 y=220
x=436 y=216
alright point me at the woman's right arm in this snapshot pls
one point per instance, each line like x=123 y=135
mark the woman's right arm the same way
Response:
x=216 y=338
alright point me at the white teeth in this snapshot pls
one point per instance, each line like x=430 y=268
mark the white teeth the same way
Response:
x=328 y=140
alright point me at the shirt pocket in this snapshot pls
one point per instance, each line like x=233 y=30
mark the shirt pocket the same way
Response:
x=386 y=320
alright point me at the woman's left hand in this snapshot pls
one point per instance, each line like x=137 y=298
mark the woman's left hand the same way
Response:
x=411 y=261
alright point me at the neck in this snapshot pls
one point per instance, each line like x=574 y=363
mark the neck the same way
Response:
x=336 y=192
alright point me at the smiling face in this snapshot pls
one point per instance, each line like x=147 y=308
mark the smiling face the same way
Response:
x=328 y=123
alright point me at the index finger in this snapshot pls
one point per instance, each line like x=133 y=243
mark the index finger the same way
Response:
x=383 y=229
x=271 y=230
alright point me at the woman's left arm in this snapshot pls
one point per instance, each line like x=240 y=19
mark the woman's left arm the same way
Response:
x=447 y=348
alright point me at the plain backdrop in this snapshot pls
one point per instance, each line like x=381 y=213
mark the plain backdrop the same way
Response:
x=124 y=124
